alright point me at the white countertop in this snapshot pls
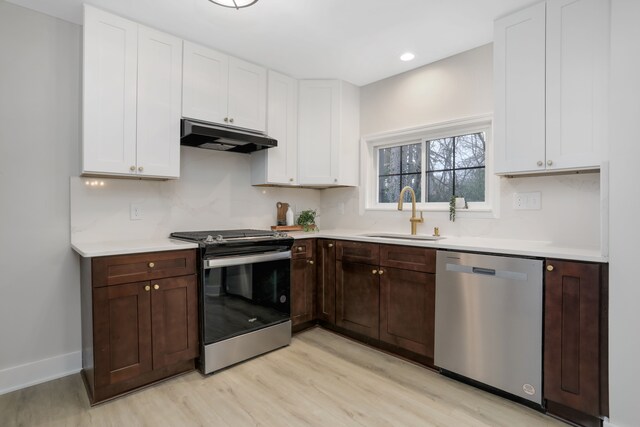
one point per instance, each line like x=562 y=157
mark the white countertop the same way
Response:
x=95 y=249
x=530 y=248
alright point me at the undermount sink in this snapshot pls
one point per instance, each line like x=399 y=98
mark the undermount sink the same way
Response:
x=402 y=236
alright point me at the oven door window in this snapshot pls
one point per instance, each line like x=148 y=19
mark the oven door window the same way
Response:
x=242 y=298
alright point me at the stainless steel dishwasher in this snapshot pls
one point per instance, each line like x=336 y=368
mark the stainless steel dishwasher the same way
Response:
x=489 y=321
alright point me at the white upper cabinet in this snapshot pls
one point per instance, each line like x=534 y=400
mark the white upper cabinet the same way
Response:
x=577 y=64
x=328 y=133
x=221 y=89
x=131 y=98
x=550 y=68
x=519 y=82
x=279 y=165
x=159 y=103
x=109 y=93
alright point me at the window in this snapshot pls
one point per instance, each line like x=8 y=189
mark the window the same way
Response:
x=436 y=161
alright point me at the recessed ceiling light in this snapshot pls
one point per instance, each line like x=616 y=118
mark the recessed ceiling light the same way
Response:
x=236 y=4
x=407 y=56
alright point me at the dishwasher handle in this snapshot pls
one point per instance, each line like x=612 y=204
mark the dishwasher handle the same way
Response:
x=485 y=271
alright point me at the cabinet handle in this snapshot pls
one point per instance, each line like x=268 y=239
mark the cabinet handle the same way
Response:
x=231 y=120
x=330 y=245
x=151 y=265
x=311 y=262
x=226 y=119
x=374 y=271
x=132 y=168
x=540 y=163
x=140 y=169
x=156 y=286
x=147 y=288
x=549 y=162
x=380 y=272
x=550 y=267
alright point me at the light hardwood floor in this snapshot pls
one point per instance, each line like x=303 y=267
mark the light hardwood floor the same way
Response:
x=321 y=379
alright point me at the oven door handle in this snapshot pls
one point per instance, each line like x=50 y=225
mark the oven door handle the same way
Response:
x=242 y=260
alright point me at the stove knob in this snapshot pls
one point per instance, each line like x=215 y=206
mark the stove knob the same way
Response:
x=219 y=238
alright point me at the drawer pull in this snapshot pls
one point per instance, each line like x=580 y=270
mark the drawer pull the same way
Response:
x=147 y=288
x=151 y=265
x=156 y=286
x=299 y=248
x=330 y=245
x=311 y=262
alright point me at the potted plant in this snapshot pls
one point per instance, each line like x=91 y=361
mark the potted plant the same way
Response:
x=307 y=220
x=456 y=202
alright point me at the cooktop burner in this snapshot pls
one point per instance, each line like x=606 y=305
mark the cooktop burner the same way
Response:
x=201 y=236
x=230 y=242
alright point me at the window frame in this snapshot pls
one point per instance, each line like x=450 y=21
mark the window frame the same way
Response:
x=371 y=144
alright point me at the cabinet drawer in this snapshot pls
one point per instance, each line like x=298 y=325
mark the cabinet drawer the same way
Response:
x=115 y=270
x=408 y=258
x=303 y=248
x=367 y=253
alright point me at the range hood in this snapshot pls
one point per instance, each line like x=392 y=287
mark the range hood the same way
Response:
x=216 y=137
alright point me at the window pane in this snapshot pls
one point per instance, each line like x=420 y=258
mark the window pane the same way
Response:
x=440 y=154
x=389 y=161
x=440 y=186
x=470 y=150
x=414 y=181
x=411 y=158
x=389 y=189
x=470 y=184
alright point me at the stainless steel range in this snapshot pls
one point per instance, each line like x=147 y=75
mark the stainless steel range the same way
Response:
x=243 y=294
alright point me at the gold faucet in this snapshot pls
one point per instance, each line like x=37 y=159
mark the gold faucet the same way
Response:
x=414 y=219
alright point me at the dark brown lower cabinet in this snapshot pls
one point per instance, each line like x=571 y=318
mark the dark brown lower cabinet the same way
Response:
x=358 y=298
x=407 y=310
x=303 y=277
x=326 y=281
x=137 y=333
x=575 y=372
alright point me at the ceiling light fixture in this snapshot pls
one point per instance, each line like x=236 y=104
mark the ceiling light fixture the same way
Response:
x=407 y=56
x=236 y=4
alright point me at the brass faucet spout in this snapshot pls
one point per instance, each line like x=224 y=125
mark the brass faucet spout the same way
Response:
x=414 y=219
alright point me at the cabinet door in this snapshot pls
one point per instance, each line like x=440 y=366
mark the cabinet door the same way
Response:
x=318 y=132
x=302 y=290
x=357 y=298
x=205 y=84
x=326 y=281
x=159 y=103
x=174 y=308
x=577 y=62
x=247 y=95
x=571 y=331
x=121 y=332
x=279 y=165
x=407 y=309
x=519 y=84
x=109 y=93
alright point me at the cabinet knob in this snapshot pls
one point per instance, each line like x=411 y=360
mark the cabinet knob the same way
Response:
x=290 y=179
x=156 y=286
x=550 y=267
x=330 y=245
x=226 y=119
x=335 y=179
x=140 y=169
x=311 y=262
x=540 y=163
x=151 y=265
x=132 y=168
x=380 y=272
x=147 y=288
x=374 y=271
x=299 y=249
x=549 y=162
x=231 y=120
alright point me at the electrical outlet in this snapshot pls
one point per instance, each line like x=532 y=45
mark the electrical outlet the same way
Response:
x=527 y=201
x=136 y=212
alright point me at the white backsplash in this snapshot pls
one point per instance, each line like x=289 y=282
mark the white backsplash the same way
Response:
x=213 y=192
x=569 y=215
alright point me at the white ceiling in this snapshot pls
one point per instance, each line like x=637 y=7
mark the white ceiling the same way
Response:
x=359 y=41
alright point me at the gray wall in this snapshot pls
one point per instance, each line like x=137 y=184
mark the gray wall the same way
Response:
x=39 y=150
x=624 y=315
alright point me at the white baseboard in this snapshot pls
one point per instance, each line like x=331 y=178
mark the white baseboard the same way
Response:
x=40 y=371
